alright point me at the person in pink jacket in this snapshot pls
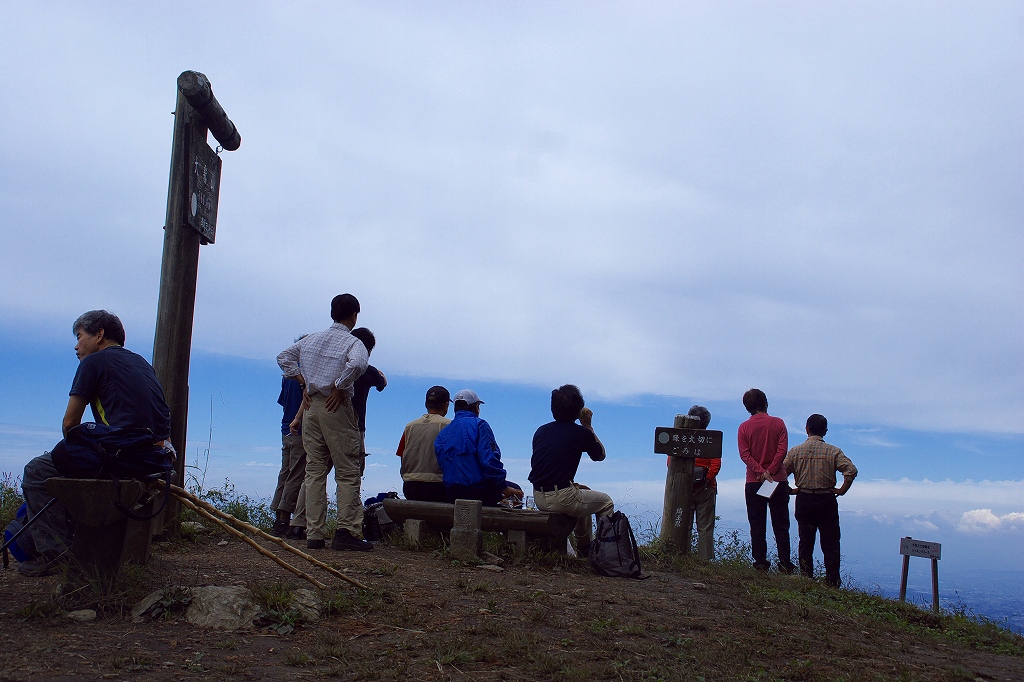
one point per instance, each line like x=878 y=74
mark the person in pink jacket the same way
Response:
x=763 y=443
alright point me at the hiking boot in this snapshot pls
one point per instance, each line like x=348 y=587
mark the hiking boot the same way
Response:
x=787 y=569
x=315 y=544
x=344 y=540
x=43 y=565
x=280 y=529
x=296 y=533
x=583 y=549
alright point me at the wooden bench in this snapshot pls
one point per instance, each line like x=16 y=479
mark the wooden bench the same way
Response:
x=104 y=537
x=466 y=519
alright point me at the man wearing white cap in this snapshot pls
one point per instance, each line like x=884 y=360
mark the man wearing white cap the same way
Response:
x=469 y=456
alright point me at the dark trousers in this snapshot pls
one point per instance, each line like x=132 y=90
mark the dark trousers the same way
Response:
x=757 y=514
x=425 y=491
x=293 y=472
x=53 y=532
x=489 y=494
x=818 y=514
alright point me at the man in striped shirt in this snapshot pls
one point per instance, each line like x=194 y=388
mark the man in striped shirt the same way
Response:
x=814 y=464
x=331 y=361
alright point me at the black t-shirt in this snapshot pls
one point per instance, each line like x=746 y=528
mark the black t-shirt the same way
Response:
x=371 y=378
x=123 y=391
x=557 y=448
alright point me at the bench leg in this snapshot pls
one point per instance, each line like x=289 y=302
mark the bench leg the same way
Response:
x=517 y=538
x=97 y=551
x=466 y=536
x=418 y=533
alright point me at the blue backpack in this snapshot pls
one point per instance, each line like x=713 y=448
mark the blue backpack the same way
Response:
x=22 y=549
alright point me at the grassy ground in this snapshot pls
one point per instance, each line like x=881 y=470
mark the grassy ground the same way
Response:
x=544 y=617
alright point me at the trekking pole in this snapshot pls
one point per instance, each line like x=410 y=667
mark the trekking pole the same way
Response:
x=183 y=494
x=252 y=543
x=25 y=527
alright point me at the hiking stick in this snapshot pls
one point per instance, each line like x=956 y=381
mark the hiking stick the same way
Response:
x=252 y=543
x=181 y=493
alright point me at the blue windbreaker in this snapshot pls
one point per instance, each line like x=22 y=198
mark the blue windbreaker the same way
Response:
x=467 y=452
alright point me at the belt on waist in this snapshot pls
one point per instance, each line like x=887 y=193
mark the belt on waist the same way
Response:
x=817 y=491
x=552 y=488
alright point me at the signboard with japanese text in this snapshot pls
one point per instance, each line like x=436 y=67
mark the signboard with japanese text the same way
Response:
x=203 y=190
x=928 y=550
x=688 y=442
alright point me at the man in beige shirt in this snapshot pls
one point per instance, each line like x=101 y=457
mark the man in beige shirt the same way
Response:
x=421 y=474
x=814 y=464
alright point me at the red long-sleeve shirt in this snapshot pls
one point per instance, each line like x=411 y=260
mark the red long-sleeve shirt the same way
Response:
x=763 y=443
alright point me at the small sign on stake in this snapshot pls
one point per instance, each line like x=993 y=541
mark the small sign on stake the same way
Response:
x=929 y=550
x=687 y=442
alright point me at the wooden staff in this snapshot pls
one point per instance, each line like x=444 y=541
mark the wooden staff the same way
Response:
x=185 y=495
x=252 y=543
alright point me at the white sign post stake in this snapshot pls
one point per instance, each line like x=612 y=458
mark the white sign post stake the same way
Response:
x=930 y=550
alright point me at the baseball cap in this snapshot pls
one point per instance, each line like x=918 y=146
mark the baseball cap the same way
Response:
x=438 y=395
x=469 y=396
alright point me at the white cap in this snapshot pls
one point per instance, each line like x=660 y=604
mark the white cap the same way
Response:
x=468 y=396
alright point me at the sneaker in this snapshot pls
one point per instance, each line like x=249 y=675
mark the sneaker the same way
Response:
x=315 y=544
x=344 y=540
x=280 y=529
x=296 y=533
x=43 y=565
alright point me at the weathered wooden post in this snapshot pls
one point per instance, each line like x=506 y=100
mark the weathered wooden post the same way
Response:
x=682 y=443
x=192 y=196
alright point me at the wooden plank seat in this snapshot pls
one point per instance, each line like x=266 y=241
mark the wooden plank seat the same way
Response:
x=546 y=528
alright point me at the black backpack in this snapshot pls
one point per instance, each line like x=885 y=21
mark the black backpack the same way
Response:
x=92 y=450
x=614 y=551
x=376 y=522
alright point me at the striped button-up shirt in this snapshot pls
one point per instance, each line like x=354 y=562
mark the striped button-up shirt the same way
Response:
x=814 y=464
x=330 y=359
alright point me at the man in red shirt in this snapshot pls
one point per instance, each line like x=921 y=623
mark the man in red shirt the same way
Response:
x=763 y=443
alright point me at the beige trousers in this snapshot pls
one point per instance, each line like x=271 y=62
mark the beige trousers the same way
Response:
x=579 y=503
x=332 y=437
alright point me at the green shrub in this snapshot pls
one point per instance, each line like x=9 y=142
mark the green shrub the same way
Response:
x=10 y=498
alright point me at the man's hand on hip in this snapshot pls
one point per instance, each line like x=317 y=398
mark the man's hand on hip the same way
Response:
x=335 y=400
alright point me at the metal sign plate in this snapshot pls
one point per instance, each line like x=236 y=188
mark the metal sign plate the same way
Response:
x=928 y=550
x=203 y=190
x=688 y=442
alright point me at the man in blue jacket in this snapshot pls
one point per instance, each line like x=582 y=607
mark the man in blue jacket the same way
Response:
x=469 y=456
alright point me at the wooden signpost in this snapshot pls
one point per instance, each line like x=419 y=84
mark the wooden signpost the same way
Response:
x=930 y=550
x=682 y=443
x=192 y=197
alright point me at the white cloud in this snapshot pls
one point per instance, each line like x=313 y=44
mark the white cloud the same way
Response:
x=985 y=521
x=908 y=497
x=691 y=199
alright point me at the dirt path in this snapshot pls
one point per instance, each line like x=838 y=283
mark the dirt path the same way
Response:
x=425 y=618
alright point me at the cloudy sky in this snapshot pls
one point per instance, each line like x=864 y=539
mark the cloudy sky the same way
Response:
x=651 y=200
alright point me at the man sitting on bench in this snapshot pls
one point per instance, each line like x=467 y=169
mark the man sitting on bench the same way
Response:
x=557 y=449
x=469 y=456
x=123 y=392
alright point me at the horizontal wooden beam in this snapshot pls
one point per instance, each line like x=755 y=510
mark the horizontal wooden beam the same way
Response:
x=442 y=515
